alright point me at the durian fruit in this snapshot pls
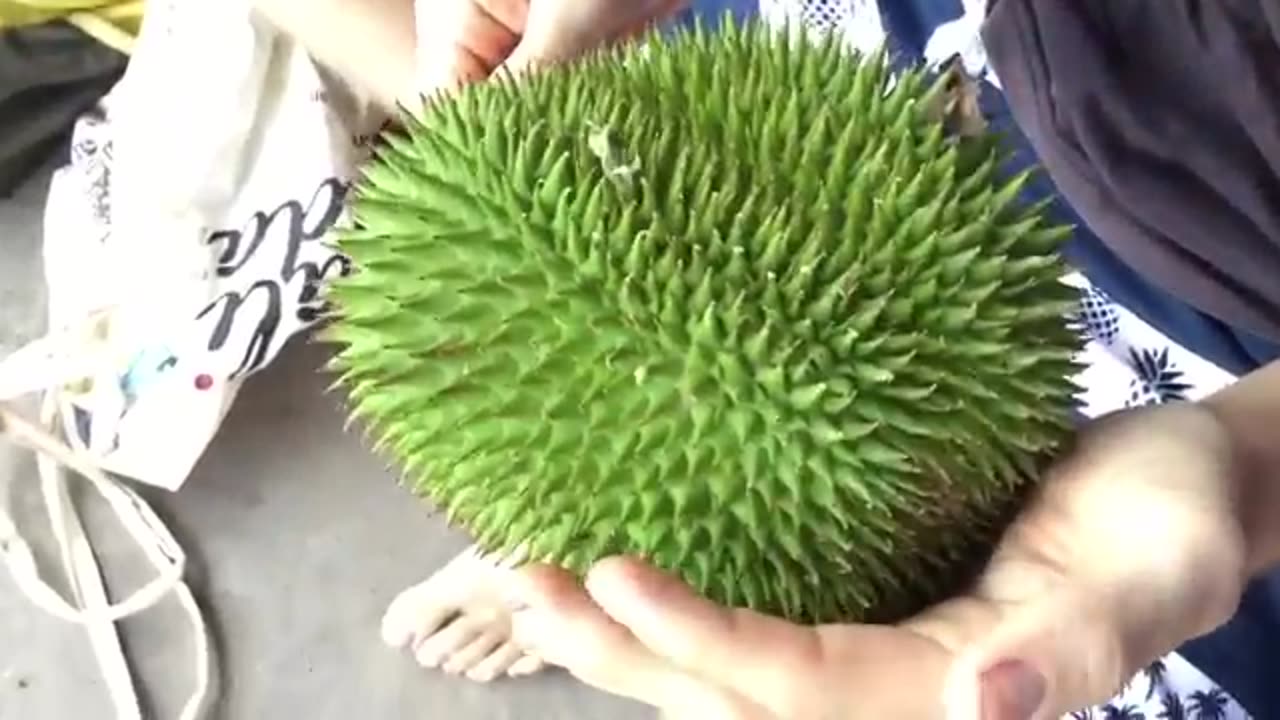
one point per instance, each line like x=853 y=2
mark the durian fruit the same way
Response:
x=730 y=300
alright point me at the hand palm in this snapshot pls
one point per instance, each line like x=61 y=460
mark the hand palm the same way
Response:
x=1130 y=549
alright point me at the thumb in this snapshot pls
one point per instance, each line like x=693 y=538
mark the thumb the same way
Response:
x=1041 y=661
x=559 y=30
x=448 y=34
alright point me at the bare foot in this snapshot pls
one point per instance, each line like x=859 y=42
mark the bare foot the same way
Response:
x=459 y=619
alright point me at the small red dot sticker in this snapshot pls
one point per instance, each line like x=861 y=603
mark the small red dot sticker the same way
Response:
x=204 y=381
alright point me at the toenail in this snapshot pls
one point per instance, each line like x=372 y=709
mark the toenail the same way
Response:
x=527 y=665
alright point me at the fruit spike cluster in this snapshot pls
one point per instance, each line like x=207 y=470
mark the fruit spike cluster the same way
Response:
x=731 y=301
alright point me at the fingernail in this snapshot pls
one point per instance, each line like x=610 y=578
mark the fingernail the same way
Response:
x=1011 y=690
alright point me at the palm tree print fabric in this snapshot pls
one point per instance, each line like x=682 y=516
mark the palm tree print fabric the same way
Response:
x=1168 y=689
x=1130 y=364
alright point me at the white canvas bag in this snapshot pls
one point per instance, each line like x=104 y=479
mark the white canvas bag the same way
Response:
x=184 y=247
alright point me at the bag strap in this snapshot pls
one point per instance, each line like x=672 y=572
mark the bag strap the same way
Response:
x=90 y=605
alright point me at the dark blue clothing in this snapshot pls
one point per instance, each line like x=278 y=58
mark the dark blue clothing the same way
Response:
x=910 y=23
x=713 y=10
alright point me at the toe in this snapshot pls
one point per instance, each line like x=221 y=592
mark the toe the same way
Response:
x=526 y=665
x=416 y=613
x=434 y=649
x=496 y=663
x=564 y=627
x=476 y=651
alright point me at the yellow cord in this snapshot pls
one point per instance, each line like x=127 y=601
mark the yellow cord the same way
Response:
x=114 y=23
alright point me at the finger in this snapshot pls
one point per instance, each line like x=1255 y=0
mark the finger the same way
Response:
x=736 y=649
x=1083 y=610
x=511 y=13
x=1041 y=661
x=460 y=43
x=559 y=30
x=563 y=626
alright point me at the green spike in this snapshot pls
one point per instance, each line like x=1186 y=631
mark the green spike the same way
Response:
x=726 y=300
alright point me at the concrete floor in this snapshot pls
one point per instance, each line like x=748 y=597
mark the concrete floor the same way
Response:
x=298 y=538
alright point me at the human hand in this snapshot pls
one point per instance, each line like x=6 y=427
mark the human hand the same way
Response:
x=462 y=41
x=1132 y=547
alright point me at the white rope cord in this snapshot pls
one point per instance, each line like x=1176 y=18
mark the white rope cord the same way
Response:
x=23 y=374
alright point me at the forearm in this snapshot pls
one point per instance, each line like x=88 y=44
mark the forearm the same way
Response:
x=371 y=44
x=1250 y=410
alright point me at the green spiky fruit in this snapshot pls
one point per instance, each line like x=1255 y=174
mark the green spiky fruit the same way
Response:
x=729 y=300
